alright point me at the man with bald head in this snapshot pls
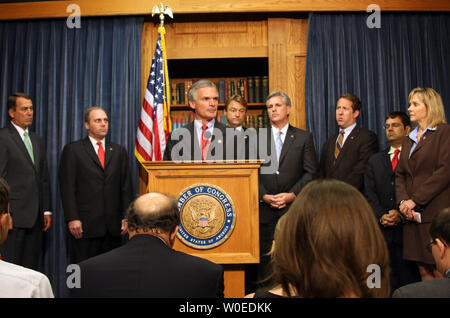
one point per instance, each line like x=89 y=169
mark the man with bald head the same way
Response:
x=147 y=266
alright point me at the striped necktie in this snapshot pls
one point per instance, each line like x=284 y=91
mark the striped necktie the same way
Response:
x=339 y=144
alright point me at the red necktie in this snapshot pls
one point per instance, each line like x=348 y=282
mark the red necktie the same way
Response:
x=395 y=159
x=101 y=154
x=205 y=143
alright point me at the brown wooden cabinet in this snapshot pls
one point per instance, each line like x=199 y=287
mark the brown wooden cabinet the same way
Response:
x=282 y=41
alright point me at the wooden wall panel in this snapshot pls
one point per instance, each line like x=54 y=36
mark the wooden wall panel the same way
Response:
x=287 y=57
x=57 y=9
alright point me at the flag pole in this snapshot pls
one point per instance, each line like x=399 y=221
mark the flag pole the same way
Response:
x=162 y=31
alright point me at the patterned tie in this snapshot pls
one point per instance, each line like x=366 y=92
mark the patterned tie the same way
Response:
x=27 y=141
x=279 y=144
x=101 y=154
x=395 y=159
x=205 y=143
x=339 y=143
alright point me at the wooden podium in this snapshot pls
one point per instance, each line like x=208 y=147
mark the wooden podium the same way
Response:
x=239 y=179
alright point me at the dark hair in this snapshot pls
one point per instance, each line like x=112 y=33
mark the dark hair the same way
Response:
x=4 y=195
x=12 y=100
x=238 y=99
x=402 y=115
x=330 y=236
x=356 y=102
x=440 y=226
x=165 y=216
x=87 y=112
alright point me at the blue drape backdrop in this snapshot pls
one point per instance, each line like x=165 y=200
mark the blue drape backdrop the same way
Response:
x=66 y=71
x=380 y=65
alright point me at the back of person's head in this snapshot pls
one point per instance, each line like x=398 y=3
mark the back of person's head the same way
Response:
x=440 y=226
x=154 y=212
x=329 y=238
x=433 y=103
x=4 y=195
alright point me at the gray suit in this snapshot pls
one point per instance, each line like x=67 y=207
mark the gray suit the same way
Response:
x=437 y=288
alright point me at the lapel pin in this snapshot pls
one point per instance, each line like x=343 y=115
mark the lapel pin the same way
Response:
x=292 y=136
x=219 y=141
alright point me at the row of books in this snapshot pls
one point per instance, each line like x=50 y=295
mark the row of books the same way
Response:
x=251 y=121
x=254 y=89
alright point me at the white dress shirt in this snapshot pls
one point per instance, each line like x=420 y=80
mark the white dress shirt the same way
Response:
x=20 y=282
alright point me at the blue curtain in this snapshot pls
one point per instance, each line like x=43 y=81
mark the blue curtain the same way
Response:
x=66 y=71
x=380 y=65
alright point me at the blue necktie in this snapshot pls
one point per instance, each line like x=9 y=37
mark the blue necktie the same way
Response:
x=279 y=144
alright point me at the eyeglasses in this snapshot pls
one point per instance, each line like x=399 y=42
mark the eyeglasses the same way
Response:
x=394 y=125
x=430 y=246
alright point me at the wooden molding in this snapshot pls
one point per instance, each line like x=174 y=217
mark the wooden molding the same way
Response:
x=57 y=9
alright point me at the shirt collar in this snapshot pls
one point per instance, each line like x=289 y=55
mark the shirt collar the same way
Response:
x=198 y=124
x=393 y=149
x=94 y=142
x=19 y=129
x=413 y=134
x=348 y=130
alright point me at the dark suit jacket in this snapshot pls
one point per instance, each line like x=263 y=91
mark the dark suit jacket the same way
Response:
x=147 y=267
x=379 y=189
x=349 y=166
x=424 y=177
x=297 y=166
x=436 y=288
x=191 y=142
x=30 y=185
x=96 y=197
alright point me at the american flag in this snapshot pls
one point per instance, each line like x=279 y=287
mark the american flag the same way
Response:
x=154 y=125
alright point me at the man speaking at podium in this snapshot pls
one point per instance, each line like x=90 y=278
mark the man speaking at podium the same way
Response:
x=204 y=138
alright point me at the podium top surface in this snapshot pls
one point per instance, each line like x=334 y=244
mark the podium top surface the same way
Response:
x=199 y=164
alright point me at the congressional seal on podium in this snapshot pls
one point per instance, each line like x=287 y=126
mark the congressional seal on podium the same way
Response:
x=207 y=214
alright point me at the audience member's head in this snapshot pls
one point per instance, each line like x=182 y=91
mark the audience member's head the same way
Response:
x=154 y=214
x=5 y=217
x=440 y=236
x=329 y=237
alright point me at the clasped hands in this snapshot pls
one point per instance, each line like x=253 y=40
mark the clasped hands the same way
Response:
x=280 y=200
x=391 y=219
x=407 y=209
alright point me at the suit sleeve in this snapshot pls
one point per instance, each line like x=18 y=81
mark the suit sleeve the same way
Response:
x=369 y=146
x=322 y=164
x=67 y=175
x=370 y=189
x=3 y=158
x=309 y=165
x=167 y=152
x=220 y=284
x=439 y=179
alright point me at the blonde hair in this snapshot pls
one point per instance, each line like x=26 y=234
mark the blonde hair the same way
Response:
x=433 y=103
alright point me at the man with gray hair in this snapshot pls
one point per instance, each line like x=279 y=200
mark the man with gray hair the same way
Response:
x=296 y=165
x=204 y=138
x=147 y=266
x=94 y=178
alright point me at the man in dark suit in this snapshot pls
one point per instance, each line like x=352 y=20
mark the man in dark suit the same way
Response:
x=94 y=179
x=439 y=247
x=379 y=189
x=204 y=138
x=23 y=165
x=147 y=266
x=292 y=150
x=345 y=155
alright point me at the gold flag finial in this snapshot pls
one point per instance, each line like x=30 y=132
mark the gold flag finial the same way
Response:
x=161 y=11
